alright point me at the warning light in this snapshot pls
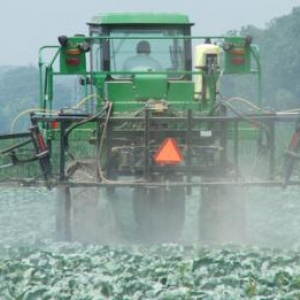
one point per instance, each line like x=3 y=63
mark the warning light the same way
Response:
x=238 y=60
x=238 y=51
x=54 y=125
x=73 y=51
x=72 y=55
x=74 y=61
x=237 y=55
x=168 y=153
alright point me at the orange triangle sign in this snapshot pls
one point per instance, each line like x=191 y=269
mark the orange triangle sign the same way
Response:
x=168 y=153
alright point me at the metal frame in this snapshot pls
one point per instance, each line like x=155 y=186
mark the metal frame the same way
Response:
x=188 y=170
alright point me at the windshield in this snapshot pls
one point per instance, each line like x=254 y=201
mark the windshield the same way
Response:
x=145 y=50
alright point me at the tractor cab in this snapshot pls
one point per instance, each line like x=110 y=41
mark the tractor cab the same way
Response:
x=119 y=38
x=142 y=56
x=133 y=58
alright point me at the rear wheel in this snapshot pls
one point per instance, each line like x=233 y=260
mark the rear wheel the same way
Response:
x=83 y=213
x=63 y=214
x=159 y=213
x=222 y=215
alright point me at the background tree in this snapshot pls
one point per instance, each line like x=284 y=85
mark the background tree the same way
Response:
x=19 y=91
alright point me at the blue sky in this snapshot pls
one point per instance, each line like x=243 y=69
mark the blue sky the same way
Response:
x=27 y=25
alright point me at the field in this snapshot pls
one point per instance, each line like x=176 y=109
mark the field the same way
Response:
x=33 y=266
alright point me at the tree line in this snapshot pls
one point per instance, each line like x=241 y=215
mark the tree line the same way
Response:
x=19 y=91
x=279 y=45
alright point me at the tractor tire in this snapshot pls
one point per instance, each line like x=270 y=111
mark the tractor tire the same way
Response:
x=83 y=213
x=159 y=213
x=222 y=216
x=63 y=214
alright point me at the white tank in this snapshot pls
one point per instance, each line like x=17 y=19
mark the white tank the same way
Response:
x=202 y=54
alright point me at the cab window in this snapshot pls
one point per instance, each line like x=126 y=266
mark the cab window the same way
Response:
x=166 y=48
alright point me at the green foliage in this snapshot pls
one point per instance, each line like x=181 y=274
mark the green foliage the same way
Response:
x=49 y=270
x=279 y=45
x=33 y=266
x=61 y=272
x=19 y=91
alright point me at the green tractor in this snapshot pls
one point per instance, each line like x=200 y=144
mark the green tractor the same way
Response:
x=150 y=128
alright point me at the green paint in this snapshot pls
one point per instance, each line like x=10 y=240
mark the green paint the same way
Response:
x=140 y=18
